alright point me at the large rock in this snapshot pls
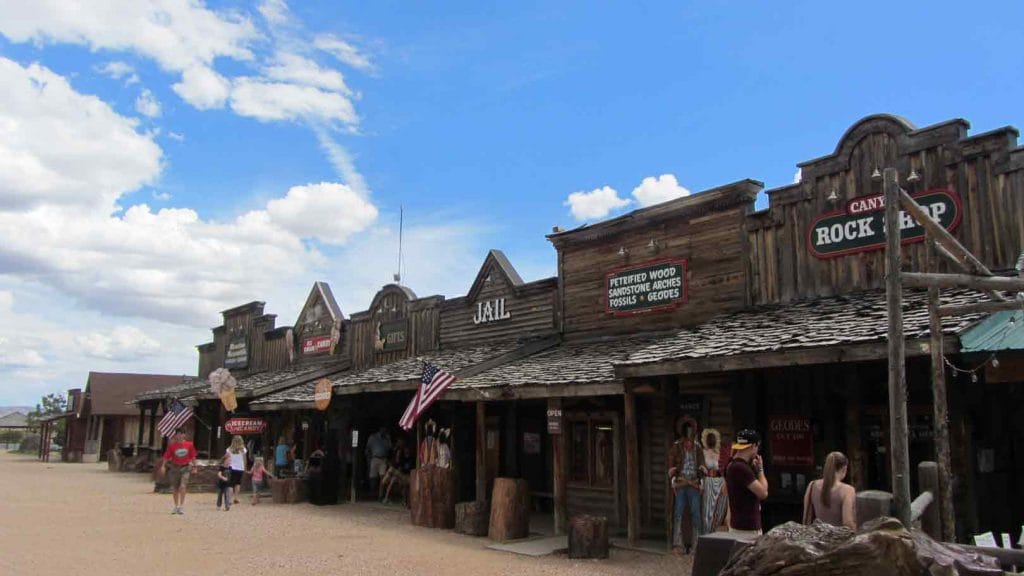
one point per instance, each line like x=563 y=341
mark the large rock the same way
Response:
x=882 y=547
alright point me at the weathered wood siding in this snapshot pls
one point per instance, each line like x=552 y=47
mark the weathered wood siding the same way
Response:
x=394 y=303
x=266 y=345
x=984 y=170
x=713 y=243
x=531 y=307
x=654 y=438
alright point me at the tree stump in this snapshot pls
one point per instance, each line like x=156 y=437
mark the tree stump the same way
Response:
x=432 y=497
x=472 y=518
x=588 y=537
x=510 y=510
x=287 y=490
x=880 y=547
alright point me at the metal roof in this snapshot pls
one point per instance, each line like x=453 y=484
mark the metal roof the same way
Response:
x=1000 y=331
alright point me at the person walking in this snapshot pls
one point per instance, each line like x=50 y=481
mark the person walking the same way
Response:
x=236 y=456
x=260 y=479
x=281 y=456
x=829 y=499
x=178 y=463
x=378 y=448
x=687 y=467
x=746 y=484
x=224 y=483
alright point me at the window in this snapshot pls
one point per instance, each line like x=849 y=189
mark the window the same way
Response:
x=592 y=450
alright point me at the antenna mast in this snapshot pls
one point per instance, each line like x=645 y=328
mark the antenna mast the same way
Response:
x=401 y=217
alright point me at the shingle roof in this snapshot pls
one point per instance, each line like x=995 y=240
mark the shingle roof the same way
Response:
x=274 y=378
x=584 y=362
x=848 y=319
x=405 y=370
x=110 y=393
x=190 y=386
x=14 y=420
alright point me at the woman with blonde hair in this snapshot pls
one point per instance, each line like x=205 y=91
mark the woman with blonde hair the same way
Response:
x=236 y=454
x=829 y=499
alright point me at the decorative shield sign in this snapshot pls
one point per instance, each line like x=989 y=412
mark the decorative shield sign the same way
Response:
x=322 y=394
x=861 y=225
x=243 y=426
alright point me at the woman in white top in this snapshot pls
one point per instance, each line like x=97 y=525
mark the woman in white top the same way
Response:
x=714 y=501
x=236 y=454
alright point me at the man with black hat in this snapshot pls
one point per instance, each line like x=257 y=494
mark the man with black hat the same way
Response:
x=746 y=483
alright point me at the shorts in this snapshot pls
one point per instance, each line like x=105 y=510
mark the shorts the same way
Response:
x=378 y=466
x=258 y=486
x=236 y=477
x=177 y=476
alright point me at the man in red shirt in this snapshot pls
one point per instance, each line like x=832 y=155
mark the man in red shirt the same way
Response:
x=746 y=484
x=182 y=456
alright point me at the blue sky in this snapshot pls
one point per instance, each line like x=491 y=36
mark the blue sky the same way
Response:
x=166 y=160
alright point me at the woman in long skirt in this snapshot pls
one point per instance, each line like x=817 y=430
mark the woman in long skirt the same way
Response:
x=714 y=501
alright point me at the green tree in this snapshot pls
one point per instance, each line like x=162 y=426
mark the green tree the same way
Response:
x=47 y=406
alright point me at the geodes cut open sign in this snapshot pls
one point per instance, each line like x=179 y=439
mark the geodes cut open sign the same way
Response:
x=791 y=440
x=243 y=426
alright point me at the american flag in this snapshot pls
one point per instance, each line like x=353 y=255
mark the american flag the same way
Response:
x=177 y=414
x=432 y=385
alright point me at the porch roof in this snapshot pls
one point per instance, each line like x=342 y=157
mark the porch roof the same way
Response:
x=849 y=327
x=189 y=387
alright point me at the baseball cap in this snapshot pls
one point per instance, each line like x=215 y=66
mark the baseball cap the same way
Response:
x=745 y=438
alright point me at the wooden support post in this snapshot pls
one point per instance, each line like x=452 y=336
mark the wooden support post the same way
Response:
x=983 y=283
x=481 y=451
x=152 y=424
x=632 y=471
x=559 y=467
x=928 y=480
x=940 y=414
x=142 y=426
x=511 y=422
x=899 y=454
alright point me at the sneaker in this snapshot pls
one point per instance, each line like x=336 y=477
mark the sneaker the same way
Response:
x=174 y=511
x=181 y=510
x=236 y=501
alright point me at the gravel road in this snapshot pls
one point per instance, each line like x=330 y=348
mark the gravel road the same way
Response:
x=64 y=519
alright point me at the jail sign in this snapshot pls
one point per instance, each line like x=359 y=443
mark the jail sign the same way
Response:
x=860 y=226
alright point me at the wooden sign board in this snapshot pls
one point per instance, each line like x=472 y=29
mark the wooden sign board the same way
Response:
x=245 y=425
x=791 y=441
x=647 y=287
x=322 y=394
x=860 y=226
x=554 y=420
x=237 y=355
x=316 y=345
x=391 y=335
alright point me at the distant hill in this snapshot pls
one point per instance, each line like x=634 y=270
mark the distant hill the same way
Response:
x=5 y=410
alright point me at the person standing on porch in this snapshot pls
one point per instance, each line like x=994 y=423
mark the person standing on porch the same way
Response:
x=829 y=499
x=378 y=448
x=686 y=463
x=182 y=457
x=746 y=484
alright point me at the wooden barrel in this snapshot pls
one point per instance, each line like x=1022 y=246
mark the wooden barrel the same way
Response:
x=588 y=537
x=432 y=497
x=288 y=490
x=472 y=518
x=510 y=510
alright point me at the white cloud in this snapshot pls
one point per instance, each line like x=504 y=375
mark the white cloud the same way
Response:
x=275 y=12
x=342 y=161
x=121 y=343
x=297 y=69
x=161 y=196
x=6 y=301
x=203 y=87
x=597 y=203
x=657 y=190
x=176 y=136
x=118 y=70
x=798 y=176
x=345 y=52
x=59 y=147
x=273 y=101
x=147 y=104
x=330 y=212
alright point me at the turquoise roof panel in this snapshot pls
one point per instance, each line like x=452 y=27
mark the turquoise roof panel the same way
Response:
x=1000 y=331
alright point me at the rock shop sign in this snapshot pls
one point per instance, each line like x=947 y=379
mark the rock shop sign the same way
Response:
x=646 y=287
x=861 y=225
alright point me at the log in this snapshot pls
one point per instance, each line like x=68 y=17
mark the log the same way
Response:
x=588 y=537
x=882 y=546
x=510 y=510
x=980 y=308
x=472 y=517
x=983 y=283
x=432 y=497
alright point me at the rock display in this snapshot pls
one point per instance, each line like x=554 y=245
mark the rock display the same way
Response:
x=882 y=547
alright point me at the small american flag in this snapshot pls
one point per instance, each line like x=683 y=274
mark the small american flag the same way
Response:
x=177 y=414
x=432 y=385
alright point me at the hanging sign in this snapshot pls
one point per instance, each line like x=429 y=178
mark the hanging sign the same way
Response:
x=316 y=345
x=391 y=335
x=554 y=420
x=658 y=285
x=791 y=441
x=246 y=425
x=860 y=226
x=237 y=355
x=322 y=394
x=491 y=311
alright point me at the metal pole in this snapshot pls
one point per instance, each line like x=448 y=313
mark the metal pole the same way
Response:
x=899 y=454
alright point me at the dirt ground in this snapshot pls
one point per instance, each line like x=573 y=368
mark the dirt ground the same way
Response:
x=81 y=519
